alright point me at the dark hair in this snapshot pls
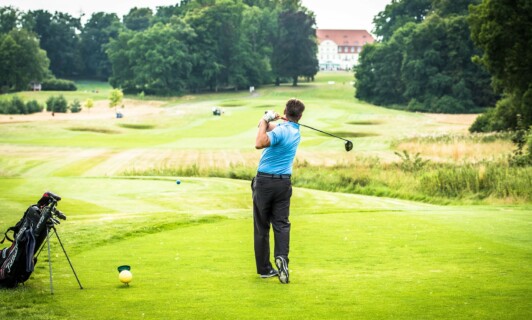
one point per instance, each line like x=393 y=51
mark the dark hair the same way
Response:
x=294 y=109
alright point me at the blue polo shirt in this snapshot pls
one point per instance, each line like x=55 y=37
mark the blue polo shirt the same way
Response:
x=279 y=156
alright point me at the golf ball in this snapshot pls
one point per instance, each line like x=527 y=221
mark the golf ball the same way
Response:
x=178 y=181
x=125 y=276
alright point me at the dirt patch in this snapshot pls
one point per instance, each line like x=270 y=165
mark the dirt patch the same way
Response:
x=463 y=119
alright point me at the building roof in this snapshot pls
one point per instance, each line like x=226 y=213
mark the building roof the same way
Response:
x=344 y=37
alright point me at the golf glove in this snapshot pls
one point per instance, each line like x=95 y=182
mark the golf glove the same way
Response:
x=270 y=115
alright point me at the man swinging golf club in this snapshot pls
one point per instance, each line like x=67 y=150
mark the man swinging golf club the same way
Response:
x=272 y=188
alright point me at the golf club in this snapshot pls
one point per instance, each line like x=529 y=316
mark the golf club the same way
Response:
x=348 y=143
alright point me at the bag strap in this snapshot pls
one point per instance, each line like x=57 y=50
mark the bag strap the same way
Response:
x=6 y=236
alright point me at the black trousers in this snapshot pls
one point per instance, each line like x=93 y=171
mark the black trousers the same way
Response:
x=271 y=205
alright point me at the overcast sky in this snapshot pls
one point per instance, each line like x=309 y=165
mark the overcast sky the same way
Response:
x=330 y=14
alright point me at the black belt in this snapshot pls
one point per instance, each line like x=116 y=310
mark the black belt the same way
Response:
x=273 y=176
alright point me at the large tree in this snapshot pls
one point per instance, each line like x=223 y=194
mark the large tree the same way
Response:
x=218 y=45
x=229 y=46
x=21 y=60
x=397 y=14
x=154 y=61
x=425 y=64
x=9 y=19
x=138 y=19
x=437 y=70
x=59 y=37
x=379 y=77
x=503 y=30
x=118 y=52
x=165 y=13
x=258 y=28
x=295 y=46
x=96 y=34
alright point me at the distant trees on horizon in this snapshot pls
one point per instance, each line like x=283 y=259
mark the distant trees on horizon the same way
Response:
x=445 y=56
x=195 y=45
x=452 y=56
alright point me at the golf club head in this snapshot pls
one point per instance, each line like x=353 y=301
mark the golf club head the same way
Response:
x=348 y=145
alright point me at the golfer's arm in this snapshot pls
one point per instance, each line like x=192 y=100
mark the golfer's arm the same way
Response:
x=263 y=141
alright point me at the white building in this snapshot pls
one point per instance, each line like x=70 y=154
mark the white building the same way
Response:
x=339 y=49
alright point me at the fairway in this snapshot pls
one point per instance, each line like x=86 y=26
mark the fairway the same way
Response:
x=190 y=245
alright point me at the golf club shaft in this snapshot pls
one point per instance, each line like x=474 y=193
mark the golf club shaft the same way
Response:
x=330 y=134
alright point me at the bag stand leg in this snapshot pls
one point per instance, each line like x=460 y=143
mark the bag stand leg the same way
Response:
x=50 y=258
x=68 y=259
x=49 y=262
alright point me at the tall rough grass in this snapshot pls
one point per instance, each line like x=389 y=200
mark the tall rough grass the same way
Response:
x=452 y=138
x=479 y=181
x=433 y=182
x=458 y=147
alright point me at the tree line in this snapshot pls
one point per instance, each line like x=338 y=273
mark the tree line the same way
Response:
x=423 y=61
x=452 y=56
x=195 y=45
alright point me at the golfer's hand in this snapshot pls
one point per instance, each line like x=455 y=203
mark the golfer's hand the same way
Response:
x=271 y=115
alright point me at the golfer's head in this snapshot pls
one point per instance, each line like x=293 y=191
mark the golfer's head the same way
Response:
x=294 y=109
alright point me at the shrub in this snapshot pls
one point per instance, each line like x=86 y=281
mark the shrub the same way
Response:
x=16 y=105
x=521 y=138
x=410 y=164
x=58 y=85
x=448 y=104
x=75 y=107
x=3 y=106
x=503 y=117
x=89 y=104
x=57 y=104
x=483 y=123
x=33 y=106
x=529 y=145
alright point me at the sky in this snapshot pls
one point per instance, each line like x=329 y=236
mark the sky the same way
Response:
x=330 y=14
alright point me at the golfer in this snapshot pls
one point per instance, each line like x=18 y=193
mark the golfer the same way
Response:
x=272 y=188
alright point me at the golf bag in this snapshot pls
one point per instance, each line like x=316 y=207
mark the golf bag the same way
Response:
x=17 y=262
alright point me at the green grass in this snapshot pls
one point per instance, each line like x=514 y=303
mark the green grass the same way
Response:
x=190 y=248
x=190 y=245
